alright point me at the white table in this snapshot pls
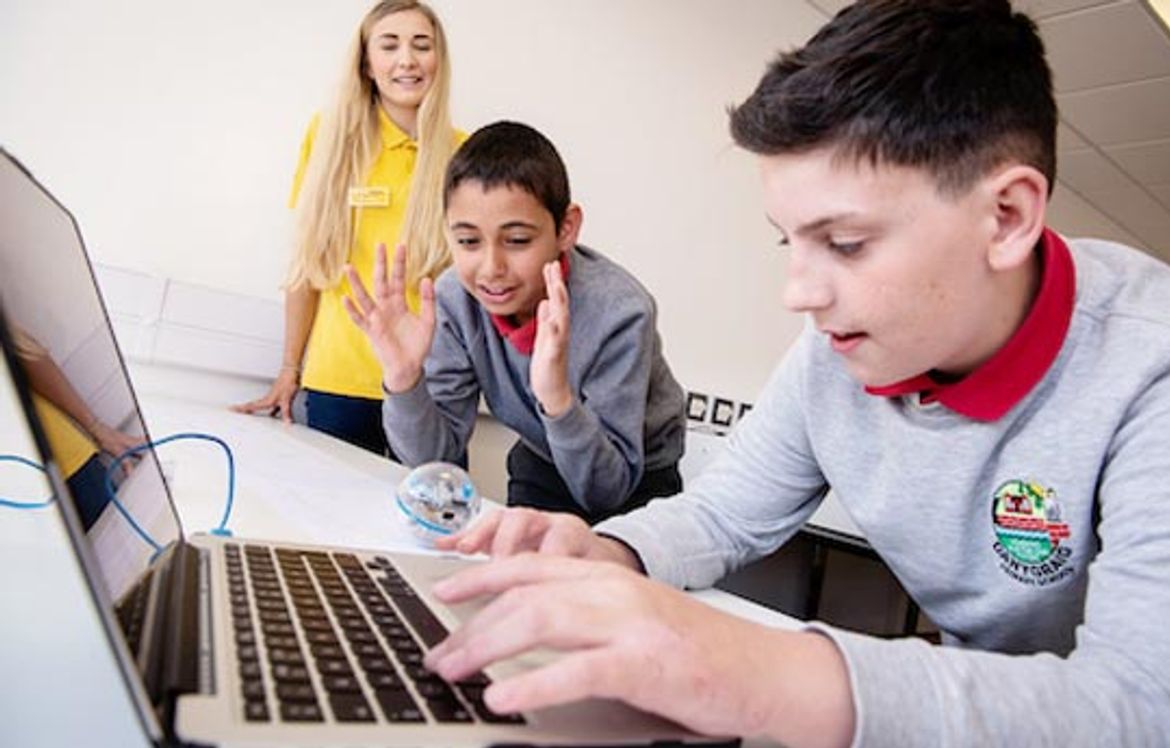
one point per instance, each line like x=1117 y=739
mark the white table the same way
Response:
x=293 y=484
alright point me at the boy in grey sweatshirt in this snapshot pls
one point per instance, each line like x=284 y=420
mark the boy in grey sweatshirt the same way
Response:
x=561 y=343
x=990 y=402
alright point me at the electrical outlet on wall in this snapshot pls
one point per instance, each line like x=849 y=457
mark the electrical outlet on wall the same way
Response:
x=723 y=413
x=696 y=407
x=713 y=414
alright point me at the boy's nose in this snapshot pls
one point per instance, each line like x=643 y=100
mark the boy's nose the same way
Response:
x=495 y=259
x=805 y=288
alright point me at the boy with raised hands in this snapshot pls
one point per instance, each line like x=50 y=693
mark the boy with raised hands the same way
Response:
x=989 y=401
x=561 y=342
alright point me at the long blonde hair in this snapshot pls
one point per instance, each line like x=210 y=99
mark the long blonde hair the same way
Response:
x=344 y=149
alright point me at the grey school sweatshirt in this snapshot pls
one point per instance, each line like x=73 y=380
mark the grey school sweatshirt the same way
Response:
x=628 y=416
x=1039 y=543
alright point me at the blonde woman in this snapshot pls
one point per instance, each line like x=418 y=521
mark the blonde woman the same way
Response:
x=371 y=172
x=75 y=434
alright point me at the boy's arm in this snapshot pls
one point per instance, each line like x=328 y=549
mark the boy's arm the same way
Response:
x=751 y=499
x=1112 y=689
x=597 y=442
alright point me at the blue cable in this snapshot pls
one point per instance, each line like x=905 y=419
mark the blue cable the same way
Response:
x=221 y=530
x=24 y=504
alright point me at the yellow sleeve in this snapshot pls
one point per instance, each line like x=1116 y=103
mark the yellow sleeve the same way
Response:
x=303 y=163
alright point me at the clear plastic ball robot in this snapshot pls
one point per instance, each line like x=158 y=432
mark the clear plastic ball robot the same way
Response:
x=437 y=499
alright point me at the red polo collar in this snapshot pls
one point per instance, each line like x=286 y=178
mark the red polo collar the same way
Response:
x=523 y=337
x=994 y=388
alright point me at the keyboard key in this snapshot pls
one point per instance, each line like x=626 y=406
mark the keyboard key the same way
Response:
x=252 y=689
x=448 y=709
x=398 y=705
x=351 y=707
x=429 y=628
x=256 y=711
x=383 y=680
x=333 y=667
x=285 y=656
x=344 y=684
x=290 y=674
x=296 y=712
x=296 y=692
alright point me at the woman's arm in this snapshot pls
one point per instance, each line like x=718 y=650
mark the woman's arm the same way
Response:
x=300 y=309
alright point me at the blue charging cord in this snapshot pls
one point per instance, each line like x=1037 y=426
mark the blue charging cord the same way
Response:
x=24 y=504
x=221 y=529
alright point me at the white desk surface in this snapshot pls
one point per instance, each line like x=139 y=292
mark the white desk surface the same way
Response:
x=292 y=484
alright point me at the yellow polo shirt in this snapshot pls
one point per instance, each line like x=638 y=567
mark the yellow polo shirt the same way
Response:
x=71 y=447
x=339 y=359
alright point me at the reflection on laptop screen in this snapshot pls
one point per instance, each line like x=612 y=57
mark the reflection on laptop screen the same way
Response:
x=79 y=384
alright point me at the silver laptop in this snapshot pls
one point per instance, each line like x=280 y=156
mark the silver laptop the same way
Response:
x=223 y=640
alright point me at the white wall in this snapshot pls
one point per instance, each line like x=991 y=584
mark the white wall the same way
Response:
x=171 y=130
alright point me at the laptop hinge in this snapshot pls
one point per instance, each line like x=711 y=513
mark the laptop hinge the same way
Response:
x=181 y=658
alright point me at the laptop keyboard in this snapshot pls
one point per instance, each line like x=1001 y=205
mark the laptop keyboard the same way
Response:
x=321 y=636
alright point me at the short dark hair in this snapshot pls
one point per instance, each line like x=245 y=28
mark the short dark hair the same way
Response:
x=955 y=87
x=511 y=154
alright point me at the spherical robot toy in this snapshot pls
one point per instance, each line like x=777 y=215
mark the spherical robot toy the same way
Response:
x=437 y=499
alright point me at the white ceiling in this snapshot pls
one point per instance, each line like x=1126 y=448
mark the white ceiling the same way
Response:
x=1111 y=69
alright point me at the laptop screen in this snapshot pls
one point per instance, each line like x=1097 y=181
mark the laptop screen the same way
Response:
x=78 y=382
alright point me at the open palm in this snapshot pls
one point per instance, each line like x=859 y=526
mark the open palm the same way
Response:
x=549 y=369
x=400 y=339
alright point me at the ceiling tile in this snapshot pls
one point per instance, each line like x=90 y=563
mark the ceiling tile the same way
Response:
x=1120 y=114
x=1040 y=9
x=1162 y=192
x=1073 y=216
x=1067 y=139
x=1072 y=41
x=1111 y=191
x=830 y=7
x=1148 y=163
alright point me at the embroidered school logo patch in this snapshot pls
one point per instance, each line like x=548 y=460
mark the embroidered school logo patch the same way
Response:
x=1029 y=533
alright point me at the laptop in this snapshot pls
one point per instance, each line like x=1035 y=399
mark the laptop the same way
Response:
x=225 y=641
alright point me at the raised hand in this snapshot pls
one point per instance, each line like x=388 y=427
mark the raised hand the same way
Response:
x=400 y=339
x=549 y=369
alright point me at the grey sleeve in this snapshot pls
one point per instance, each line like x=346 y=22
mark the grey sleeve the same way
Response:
x=597 y=444
x=434 y=419
x=746 y=504
x=1112 y=689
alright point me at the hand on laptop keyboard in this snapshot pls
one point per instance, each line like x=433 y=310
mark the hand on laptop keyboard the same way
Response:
x=519 y=530
x=627 y=637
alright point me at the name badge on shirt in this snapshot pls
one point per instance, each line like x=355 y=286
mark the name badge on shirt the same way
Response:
x=369 y=197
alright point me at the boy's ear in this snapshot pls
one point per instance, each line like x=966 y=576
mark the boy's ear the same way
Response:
x=1020 y=195
x=570 y=228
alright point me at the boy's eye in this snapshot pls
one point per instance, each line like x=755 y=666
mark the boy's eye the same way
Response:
x=468 y=242
x=518 y=241
x=846 y=248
